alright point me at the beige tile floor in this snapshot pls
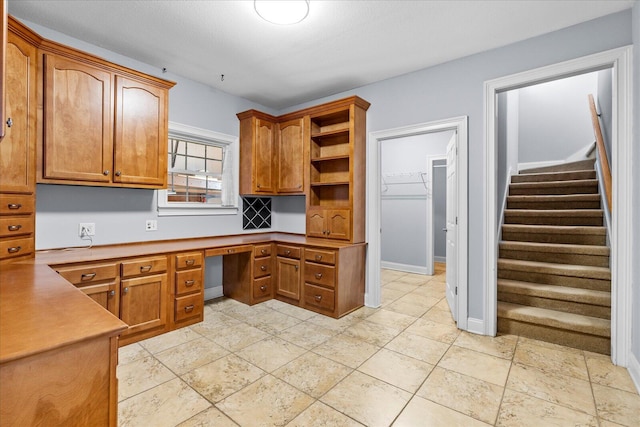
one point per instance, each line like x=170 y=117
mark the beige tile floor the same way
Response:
x=404 y=364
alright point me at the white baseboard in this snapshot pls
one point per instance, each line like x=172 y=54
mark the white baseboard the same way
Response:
x=634 y=370
x=404 y=267
x=442 y=259
x=475 y=326
x=214 y=292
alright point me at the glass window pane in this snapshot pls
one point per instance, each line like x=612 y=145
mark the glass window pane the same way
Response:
x=195 y=149
x=180 y=162
x=214 y=152
x=195 y=164
x=214 y=166
x=179 y=147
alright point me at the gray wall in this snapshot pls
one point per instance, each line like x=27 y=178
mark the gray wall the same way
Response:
x=508 y=126
x=448 y=90
x=554 y=120
x=456 y=88
x=604 y=101
x=404 y=200
x=635 y=309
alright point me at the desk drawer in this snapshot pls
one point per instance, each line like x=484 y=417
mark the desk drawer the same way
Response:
x=88 y=274
x=288 y=251
x=144 y=266
x=261 y=250
x=316 y=296
x=318 y=255
x=188 y=260
x=189 y=306
x=16 y=204
x=16 y=225
x=10 y=248
x=319 y=274
x=188 y=281
x=228 y=250
x=261 y=267
x=262 y=288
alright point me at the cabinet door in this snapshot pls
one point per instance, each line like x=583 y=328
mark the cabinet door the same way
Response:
x=143 y=303
x=339 y=224
x=104 y=294
x=264 y=157
x=316 y=223
x=77 y=121
x=140 y=134
x=17 y=150
x=288 y=278
x=290 y=174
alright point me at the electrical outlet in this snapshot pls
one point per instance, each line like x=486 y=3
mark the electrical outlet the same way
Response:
x=86 y=229
x=152 y=225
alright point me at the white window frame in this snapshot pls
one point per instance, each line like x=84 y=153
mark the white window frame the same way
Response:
x=230 y=146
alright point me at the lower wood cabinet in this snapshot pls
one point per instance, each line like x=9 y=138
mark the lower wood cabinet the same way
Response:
x=188 y=300
x=288 y=272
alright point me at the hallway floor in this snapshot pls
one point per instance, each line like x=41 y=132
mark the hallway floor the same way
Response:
x=404 y=364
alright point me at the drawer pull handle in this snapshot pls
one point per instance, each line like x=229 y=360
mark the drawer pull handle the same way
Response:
x=14 y=227
x=118 y=173
x=106 y=172
x=190 y=262
x=263 y=288
x=189 y=308
x=14 y=249
x=263 y=251
x=145 y=268
x=9 y=122
x=189 y=282
x=229 y=251
x=318 y=298
x=318 y=257
x=112 y=293
x=287 y=252
x=125 y=290
x=14 y=206
x=263 y=267
x=87 y=276
x=297 y=268
x=318 y=275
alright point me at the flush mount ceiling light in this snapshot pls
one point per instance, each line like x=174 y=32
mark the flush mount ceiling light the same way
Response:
x=282 y=12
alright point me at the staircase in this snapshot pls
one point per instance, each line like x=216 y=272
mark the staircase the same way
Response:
x=554 y=281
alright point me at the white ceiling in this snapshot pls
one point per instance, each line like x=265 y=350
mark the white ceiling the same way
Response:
x=340 y=46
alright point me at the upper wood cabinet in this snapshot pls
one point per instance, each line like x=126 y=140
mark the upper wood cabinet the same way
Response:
x=3 y=60
x=103 y=125
x=291 y=155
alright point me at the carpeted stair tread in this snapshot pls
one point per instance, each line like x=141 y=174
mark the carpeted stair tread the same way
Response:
x=554 y=229
x=554 y=176
x=554 y=201
x=584 y=217
x=569 y=270
x=555 y=319
x=563 y=167
x=585 y=296
x=553 y=212
x=558 y=248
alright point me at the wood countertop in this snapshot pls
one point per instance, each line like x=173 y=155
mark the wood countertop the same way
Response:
x=41 y=311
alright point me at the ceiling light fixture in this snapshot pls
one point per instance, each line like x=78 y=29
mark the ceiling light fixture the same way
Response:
x=282 y=12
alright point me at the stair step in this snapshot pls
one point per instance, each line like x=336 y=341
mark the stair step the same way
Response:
x=573 y=330
x=554 y=216
x=563 y=167
x=556 y=201
x=554 y=176
x=581 y=186
x=580 y=235
x=578 y=276
x=591 y=255
x=586 y=302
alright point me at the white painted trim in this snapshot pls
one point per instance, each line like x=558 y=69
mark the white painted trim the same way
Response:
x=430 y=231
x=503 y=205
x=213 y=292
x=522 y=167
x=417 y=269
x=475 y=326
x=634 y=370
x=442 y=259
x=460 y=124
x=620 y=60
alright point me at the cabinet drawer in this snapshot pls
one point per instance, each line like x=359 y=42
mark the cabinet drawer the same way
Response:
x=189 y=306
x=10 y=248
x=16 y=225
x=261 y=267
x=190 y=260
x=143 y=266
x=261 y=250
x=89 y=273
x=318 y=255
x=262 y=288
x=228 y=250
x=289 y=251
x=319 y=297
x=188 y=281
x=319 y=274
x=16 y=204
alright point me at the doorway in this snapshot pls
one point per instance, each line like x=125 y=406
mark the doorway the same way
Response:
x=619 y=61
x=374 y=191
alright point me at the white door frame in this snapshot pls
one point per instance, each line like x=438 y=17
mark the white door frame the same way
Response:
x=430 y=229
x=373 y=284
x=620 y=61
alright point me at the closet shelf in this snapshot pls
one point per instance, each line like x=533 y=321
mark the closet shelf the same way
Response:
x=332 y=132
x=325 y=184
x=329 y=158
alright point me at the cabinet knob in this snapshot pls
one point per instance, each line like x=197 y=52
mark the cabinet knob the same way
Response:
x=125 y=290
x=318 y=257
x=9 y=122
x=189 y=308
x=258 y=185
x=230 y=251
x=118 y=173
x=189 y=282
x=105 y=173
x=318 y=298
x=263 y=267
x=263 y=251
x=87 y=276
x=14 y=227
x=14 y=206
x=112 y=293
x=318 y=275
x=14 y=249
x=287 y=252
x=190 y=262
x=297 y=268
x=263 y=288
